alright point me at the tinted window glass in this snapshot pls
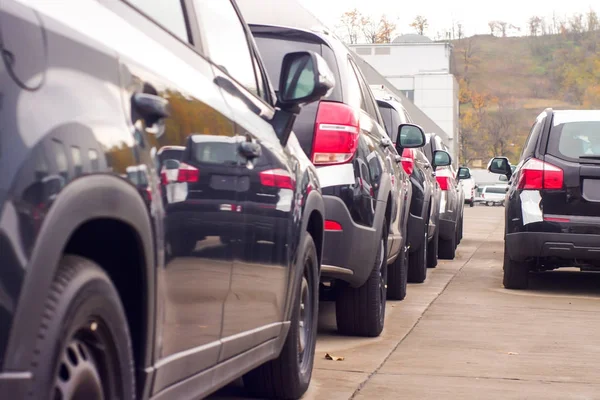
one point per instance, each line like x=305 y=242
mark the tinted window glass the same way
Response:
x=386 y=114
x=169 y=14
x=577 y=139
x=272 y=51
x=218 y=152
x=529 y=148
x=354 y=93
x=226 y=41
x=498 y=190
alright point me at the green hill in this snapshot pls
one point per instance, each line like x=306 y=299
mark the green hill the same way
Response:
x=506 y=82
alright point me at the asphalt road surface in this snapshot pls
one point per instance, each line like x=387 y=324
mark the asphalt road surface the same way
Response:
x=460 y=335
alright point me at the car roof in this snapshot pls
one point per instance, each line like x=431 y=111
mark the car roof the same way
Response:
x=287 y=14
x=566 y=116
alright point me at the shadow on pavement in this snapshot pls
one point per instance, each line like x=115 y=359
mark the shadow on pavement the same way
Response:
x=567 y=282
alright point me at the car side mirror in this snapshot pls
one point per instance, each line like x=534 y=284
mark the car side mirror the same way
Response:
x=305 y=78
x=410 y=136
x=463 y=173
x=500 y=165
x=441 y=158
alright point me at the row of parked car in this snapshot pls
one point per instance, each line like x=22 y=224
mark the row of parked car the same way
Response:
x=168 y=218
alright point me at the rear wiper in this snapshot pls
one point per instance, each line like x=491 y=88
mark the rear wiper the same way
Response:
x=590 y=157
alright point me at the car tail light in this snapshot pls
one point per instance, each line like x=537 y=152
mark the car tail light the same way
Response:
x=408 y=161
x=336 y=134
x=187 y=173
x=163 y=178
x=332 y=225
x=444 y=182
x=537 y=175
x=278 y=178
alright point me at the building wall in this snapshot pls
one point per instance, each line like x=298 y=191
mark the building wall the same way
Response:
x=422 y=72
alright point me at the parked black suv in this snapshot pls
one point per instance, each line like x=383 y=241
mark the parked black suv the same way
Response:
x=553 y=198
x=135 y=132
x=424 y=207
x=366 y=192
x=452 y=197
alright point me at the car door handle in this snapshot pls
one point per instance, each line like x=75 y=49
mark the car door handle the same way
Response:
x=385 y=142
x=151 y=107
x=249 y=150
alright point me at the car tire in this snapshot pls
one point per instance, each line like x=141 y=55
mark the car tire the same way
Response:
x=182 y=247
x=288 y=376
x=398 y=277
x=361 y=311
x=432 y=250
x=516 y=274
x=417 y=262
x=472 y=203
x=460 y=231
x=83 y=342
x=447 y=248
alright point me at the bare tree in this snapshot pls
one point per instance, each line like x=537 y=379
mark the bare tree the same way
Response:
x=385 y=30
x=592 y=21
x=493 y=27
x=534 y=24
x=350 y=21
x=501 y=125
x=420 y=24
x=369 y=29
x=503 y=26
x=460 y=31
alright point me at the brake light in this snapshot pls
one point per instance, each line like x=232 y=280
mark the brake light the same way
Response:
x=408 y=161
x=336 y=134
x=537 y=175
x=278 y=178
x=444 y=182
x=332 y=225
x=163 y=178
x=187 y=173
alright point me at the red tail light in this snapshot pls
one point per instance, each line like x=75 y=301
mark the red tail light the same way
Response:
x=163 y=178
x=537 y=175
x=408 y=161
x=336 y=134
x=278 y=178
x=332 y=225
x=444 y=182
x=187 y=173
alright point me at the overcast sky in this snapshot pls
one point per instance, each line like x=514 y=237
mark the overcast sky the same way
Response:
x=474 y=14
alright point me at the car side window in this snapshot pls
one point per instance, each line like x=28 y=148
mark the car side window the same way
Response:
x=168 y=14
x=355 y=95
x=532 y=139
x=369 y=104
x=226 y=41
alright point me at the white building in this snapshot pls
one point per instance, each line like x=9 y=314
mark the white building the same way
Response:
x=420 y=68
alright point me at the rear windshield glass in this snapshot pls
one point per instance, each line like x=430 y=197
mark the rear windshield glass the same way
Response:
x=497 y=190
x=219 y=152
x=272 y=51
x=576 y=139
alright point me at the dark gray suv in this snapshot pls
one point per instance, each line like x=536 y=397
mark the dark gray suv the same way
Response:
x=160 y=226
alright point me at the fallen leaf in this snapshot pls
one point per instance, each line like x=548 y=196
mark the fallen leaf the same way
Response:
x=510 y=353
x=333 y=358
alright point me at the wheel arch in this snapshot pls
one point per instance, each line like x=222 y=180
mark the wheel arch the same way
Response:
x=95 y=197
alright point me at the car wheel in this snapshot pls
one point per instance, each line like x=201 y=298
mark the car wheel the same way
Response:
x=398 y=277
x=489 y=203
x=183 y=246
x=83 y=348
x=472 y=203
x=288 y=376
x=447 y=248
x=432 y=250
x=361 y=311
x=460 y=231
x=417 y=262
x=516 y=274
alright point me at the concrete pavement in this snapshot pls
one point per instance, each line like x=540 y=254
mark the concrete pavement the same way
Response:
x=460 y=335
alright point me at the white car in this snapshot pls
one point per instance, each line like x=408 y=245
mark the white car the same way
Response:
x=493 y=195
x=468 y=185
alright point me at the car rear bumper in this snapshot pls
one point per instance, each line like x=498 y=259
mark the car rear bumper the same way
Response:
x=348 y=254
x=525 y=245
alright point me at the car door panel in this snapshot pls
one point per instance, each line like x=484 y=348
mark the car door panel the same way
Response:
x=194 y=268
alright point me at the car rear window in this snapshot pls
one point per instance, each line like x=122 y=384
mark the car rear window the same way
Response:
x=272 y=50
x=576 y=139
x=497 y=190
x=219 y=152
